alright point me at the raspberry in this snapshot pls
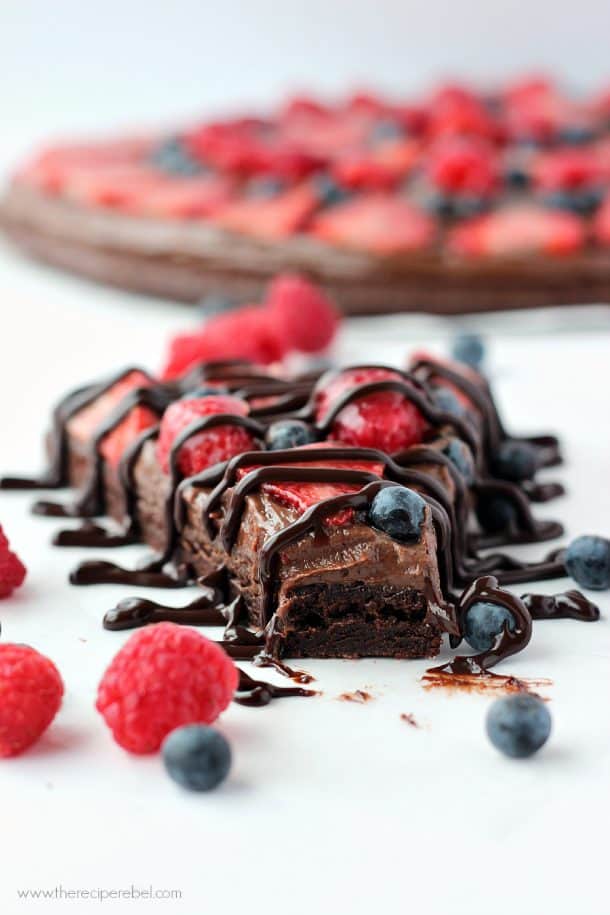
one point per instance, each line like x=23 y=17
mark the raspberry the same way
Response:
x=12 y=570
x=567 y=170
x=206 y=448
x=116 y=442
x=165 y=676
x=31 y=689
x=376 y=222
x=305 y=317
x=386 y=420
x=244 y=333
x=462 y=166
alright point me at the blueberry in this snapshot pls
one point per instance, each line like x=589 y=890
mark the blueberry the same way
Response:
x=588 y=562
x=447 y=401
x=466 y=206
x=517 y=177
x=576 y=134
x=204 y=391
x=469 y=349
x=483 y=622
x=495 y=514
x=288 y=433
x=215 y=305
x=387 y=130
x=441 y=205
x=461 y=456
x=197 y=757
x=328 y=191
x=515 y=461
x=583 y=203
x=265 y=187
x=518 y=725
x=173 y=157
x=399 y=512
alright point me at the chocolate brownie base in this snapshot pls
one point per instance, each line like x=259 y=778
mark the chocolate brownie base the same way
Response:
x=186 y=260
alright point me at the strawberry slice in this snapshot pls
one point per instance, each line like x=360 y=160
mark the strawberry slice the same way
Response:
x=519 y=229
x=566 y=169
x=302 y=496
x=185 y=198
x=277 y=217
x=376 y=222
x=601 y=225
x=87 y=421
x=116 y=442
x=378 y=169
x=117 y=186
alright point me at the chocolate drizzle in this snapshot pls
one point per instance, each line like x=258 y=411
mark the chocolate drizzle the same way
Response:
x=137 y=611
x=571 y=605
x=258 y=692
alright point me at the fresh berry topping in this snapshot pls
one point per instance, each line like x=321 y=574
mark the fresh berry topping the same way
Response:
x=274 y=218
x=496 y=514
x=288 y=433
x=114 y=444
x=31 y=690
x=165 y=676
x=462 y=166
x=519 y=229
x=302 y=496
x=377 y=223
x=588 y=562
x=447 y=401
x=197 y=757
x=306 y=319
x=461 y=457
x=484 y=622
x=84 y=423
x=12 y=570
x=398 y=512
x=328 y=191
x=601 y=226
x=566 y=170
x=518 y=725
x=469 y=349
x=583 y=202
x=173 y=157
x=515 y=461
x=386 y=420
x=208 y=447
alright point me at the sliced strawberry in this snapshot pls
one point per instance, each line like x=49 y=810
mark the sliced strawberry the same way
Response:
x=566 y=169
x=376 y=222
x=87 y=421
x=277 y=217
x=519 y=229
x=386 y=420
x=119 y=187
x=378 y=169
x=185 y=198
x=115 y=444
x=302 y=496
x=462 y=166
x=601 y=225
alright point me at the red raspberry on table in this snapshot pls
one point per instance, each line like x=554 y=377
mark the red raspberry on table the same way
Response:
x=462 y=166
x=376 y=222
x=305 y=318
x=519 y=229
x=12 y=570
x=31 y=689
x=387 y=420
x=165 y=676
x=208 y=447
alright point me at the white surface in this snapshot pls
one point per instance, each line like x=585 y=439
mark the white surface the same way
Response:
x=330 y=806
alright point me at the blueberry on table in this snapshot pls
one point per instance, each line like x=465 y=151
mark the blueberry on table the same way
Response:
x=197 y=757
x=516 y=461
x=447 y=401
x=398 y=512
x=518 y=725
x=288 y=433
x=587 y=560
x=483 y=622
x=469 y=349
x=495 y=514
x=461 y=457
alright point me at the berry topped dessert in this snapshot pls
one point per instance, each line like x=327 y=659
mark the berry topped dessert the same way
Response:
x=461 y=200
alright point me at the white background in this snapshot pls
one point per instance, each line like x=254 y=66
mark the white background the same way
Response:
x=330 y=807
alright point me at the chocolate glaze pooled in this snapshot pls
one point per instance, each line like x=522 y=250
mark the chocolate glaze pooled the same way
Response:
x=137 y=611
x=571 y=605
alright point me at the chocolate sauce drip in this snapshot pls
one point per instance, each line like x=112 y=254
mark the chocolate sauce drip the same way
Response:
x=137 y=611
x=258 y=692
x=570 y=605
x=56 y=474
x=507 y=642
x=542 y=492
x=479 y=393
x=93 y=535
x=527 y=530
x=99 y=572
x=299 y=676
